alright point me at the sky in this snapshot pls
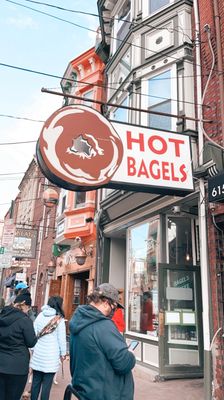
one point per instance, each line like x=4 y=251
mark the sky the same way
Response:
x=38 y=42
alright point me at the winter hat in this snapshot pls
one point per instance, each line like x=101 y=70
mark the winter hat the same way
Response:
x=21 y=285
x=23 y=298
x=110 y=292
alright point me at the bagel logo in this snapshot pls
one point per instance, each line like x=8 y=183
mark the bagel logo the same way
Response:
x=79 y=149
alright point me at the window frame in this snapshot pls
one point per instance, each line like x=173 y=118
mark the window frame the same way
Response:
x=112 y=112
x=146 y=8
x=79 y=204
x=117 y=27
x=148 y=220
x=173 y=95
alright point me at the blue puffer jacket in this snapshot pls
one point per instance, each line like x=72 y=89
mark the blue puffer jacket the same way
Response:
x=49 y=348
x=100 y=361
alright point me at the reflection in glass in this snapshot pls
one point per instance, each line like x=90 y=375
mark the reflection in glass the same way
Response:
x=180 y=241
x=182 y=279
x=121 y=114
x=143 y=284
x=160 y=84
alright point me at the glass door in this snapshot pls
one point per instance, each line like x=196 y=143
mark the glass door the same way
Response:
x=180 y=321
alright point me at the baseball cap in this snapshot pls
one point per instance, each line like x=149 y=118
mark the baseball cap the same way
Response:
x=110 y=292
x=21 y=285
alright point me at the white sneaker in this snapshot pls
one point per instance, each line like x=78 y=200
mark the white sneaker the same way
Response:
x=55 y=382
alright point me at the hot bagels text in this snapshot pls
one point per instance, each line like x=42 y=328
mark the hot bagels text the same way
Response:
x=155 y=169
x=79 y=149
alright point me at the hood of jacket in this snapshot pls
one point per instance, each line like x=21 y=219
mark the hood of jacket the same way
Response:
x=9 y=315
x=48 y=311
x=84 y=316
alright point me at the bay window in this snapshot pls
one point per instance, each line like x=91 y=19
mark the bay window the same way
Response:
x=159 y=92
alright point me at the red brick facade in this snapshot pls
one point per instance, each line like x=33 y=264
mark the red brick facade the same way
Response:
x=215 y=228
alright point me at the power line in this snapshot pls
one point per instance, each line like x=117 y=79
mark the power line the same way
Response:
x=94 y=101
x=52 y=16
x=13 y=173
x=83 y=82
x=12 y=143
x=108 y=18
x=114 y=38
x=103 y=103
x=91 y=84
x=23 y=118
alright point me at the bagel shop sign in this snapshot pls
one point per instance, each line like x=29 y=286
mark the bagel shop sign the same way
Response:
x=79 y=149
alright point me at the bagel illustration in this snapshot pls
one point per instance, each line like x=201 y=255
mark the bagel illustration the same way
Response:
x=78 y=148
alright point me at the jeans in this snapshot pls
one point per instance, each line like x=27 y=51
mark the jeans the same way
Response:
x=12 y=386
x=41 y=381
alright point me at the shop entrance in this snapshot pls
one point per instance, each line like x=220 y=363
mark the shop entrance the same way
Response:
x=80 y=289
x=180 y=321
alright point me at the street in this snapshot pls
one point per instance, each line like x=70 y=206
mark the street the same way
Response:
x=145 y=387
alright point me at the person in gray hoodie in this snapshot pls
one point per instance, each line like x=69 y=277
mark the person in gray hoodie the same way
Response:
x=100 y=361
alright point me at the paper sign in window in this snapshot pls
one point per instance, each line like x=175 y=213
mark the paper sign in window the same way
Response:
x=172 y=318
x=188 y=318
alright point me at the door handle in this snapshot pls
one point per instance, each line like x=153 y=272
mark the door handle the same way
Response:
x=161 y=323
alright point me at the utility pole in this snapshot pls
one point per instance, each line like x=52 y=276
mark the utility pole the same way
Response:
x=203 y=222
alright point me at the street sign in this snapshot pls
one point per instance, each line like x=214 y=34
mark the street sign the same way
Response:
x=7 y=243
x=21 y=276
x=21 y=264
x=2 y=250
x=216 y=189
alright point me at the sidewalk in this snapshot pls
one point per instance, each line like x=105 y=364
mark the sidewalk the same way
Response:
x=145 y=387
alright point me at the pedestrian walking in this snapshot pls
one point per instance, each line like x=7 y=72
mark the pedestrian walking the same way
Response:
x=16 y=337
x=19 y=288
x=100 y=361
x=50 y=349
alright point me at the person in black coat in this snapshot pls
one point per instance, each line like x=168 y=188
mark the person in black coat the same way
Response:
x=17 y=335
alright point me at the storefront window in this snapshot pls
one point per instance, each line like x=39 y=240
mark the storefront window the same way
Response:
x=142 y=278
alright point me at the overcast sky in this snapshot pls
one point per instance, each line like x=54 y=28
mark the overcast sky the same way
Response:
x=38 y=42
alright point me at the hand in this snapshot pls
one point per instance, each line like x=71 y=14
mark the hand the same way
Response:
x=62 y=358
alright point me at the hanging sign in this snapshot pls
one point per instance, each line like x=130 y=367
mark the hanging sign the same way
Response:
x=7 y=244
x=216 y=189
x=25 y=242
x=79 y=149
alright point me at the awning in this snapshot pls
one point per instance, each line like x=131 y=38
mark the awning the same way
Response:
x=8 y=281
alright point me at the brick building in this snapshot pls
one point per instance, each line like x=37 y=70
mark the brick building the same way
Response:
x=34 y=234
x=211 y=14
x=75 y=241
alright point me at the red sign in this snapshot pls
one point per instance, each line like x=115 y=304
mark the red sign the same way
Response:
x=79 y=149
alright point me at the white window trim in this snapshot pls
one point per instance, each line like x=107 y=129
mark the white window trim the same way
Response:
x=173 y=95
x=145 y=8
x=117 y=26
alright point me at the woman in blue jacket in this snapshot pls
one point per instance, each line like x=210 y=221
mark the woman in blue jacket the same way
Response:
x=100 y=361
x=49 y=350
